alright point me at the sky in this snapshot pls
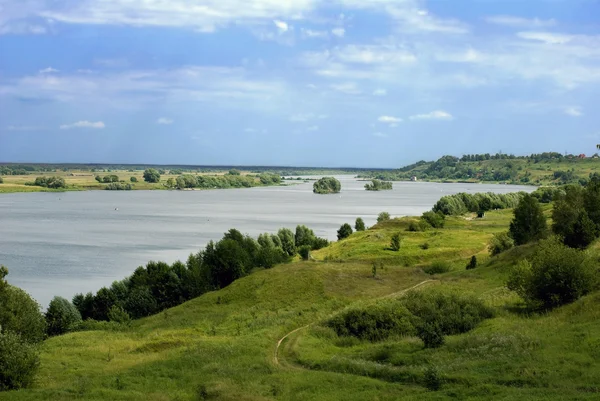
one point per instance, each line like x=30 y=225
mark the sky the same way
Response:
x=353 y=83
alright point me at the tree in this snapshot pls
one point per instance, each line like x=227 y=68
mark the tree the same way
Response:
x=19 y=361
x=584 y=232
x=529 y=223
x=396 y=242
x=133 y=179
x=359 y=225
x=304 y=236
x=344 y=232
x=327 y=185
x=304 y=252
x=61 y=317
x=555 y=275
x=434 y=219
x=383 y=216
x=151 y=175
x=98 y=178
x=500 y=242
x=288 y=242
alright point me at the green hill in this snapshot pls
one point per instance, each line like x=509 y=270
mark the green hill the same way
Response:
x=264 y=337
x=537 y=169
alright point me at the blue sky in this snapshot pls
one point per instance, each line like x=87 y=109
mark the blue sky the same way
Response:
x=369 y=83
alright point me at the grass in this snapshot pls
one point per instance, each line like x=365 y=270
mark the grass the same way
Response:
x=221 y=345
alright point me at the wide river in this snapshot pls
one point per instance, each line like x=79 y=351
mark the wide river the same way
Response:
x=66 y=243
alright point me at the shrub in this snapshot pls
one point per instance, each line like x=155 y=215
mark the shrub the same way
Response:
x=118 y=186
x=431 y=334
x=425 y=246
x=437 y=267
x=472 y=263
x=418 y=226
x=555 y=275
x=396 y=242
x=383 y=216
x=500 y=242
x=434 y=219
x=19 y=362
x=344 y=232
x=118 y=314
x=319 y=243
x=133 y=179
x=50 y=182
x=432 y=379
x=359 y=225
x=1 y=180
x=304 y=252
x=61 y=317
x=529 y=223
x=373 y=323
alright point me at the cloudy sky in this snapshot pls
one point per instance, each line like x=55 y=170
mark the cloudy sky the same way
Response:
x=372 y=83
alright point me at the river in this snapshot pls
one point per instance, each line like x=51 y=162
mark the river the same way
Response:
x=66 y=243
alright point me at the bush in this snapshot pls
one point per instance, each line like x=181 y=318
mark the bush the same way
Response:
x=304 y=252
x=424 y=246
x=396 y=242
x=118 y=186
x=500 y=242
x=437 y=267
x=383 y=216
x=319 y=243
x=61 y=317
x=373 y=323
x=50 y=182
x=418 y=226
x=151 y=175
x=19 y=362
x=1 y=180
x=472 y=263
x=529 y=223
x=359 y=225
x=344 y=232
x=327 y=185
x=431 y=334
x=434 y=219
x=432 y=379
x=118 y=314
x=555 y=275
x=133 y=179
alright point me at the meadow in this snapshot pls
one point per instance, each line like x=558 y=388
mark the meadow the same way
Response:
x=264 y=336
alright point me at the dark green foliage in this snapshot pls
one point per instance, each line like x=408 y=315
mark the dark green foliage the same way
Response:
x=61 y=317
x=1 y=180
x=50 y=182
x=377 y=185
x=430 y=332
x=396 y=242
x=19 y=361
x=344 y=232
x=319 y=243
x=500 y=242
x=418 y=226
x=117 y=314
x=151 y=175
x=327 y=185
x=472 y=263
x=433 y=379
x=437 y=267
x=434 y=219
x=234 y=172
x=110 y=178
x=373 y=323
x=19 y=313
x=571 y=215
x=304 y=252
x=546 y=194
x=133 y=179
x=383 y=216
x=118 y=186
x=304 y=237
x=555 y=275
x=591 y=199
x=359 y=225
x=529 y=223
x=288 y=242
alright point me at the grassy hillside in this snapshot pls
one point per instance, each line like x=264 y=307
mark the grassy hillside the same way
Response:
x=223 y=345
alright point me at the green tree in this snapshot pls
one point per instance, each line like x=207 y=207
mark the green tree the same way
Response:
x=98 y=178
x=583 y=233
x=434 y=219
x=396 y=242
x=304 y=252
x=19 y=362
x=359 y=225
x=304 y=236
x=288 y=242
x=383 y=216
x=529 y=223
x=500 y=242
x=133 y=179
x=151 y=175
x=344 y=232
x=327 y=185
x=61 y=317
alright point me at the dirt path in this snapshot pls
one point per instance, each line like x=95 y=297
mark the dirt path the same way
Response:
x=393 y=295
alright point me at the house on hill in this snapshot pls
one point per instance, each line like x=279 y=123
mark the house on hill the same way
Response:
x=582 y=156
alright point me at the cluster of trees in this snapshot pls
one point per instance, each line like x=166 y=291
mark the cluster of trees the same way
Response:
x=378 y=185
x=151 y=175
x=19 y=169
x=455 y=205
x=22 y=328
x=159 y=286
x=107 y=179
x=119 y=186
x=222 y=181
x=50 y=182
x=327 y=185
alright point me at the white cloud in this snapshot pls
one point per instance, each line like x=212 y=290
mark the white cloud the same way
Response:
x=547 y=37
x=282 y=26
x=84 y=124
x=509 y=20
x=339 y=32
x=434 y=115
x=48 y=70
x=379 y=92
x=164 y=121
x=312 y=34
x=411 y=19
x=573 y=111
x=389 y=120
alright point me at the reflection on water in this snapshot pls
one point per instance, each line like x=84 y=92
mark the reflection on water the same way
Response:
x=61 y=244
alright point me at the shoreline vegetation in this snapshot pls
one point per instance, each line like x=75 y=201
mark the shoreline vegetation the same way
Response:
x=327 y=185
x=413 y=306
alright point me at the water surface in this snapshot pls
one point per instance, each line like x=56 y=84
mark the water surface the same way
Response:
x=65 y=243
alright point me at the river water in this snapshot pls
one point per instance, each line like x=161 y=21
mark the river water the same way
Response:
x=65 y=243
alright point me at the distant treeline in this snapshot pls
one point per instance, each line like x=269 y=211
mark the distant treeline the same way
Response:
x=159 y=286
x=222 y=181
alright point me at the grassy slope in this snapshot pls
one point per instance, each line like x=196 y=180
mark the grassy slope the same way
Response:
x=541 y=173
x=224 y=341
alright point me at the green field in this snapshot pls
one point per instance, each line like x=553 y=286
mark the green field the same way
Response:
x=224 y=345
